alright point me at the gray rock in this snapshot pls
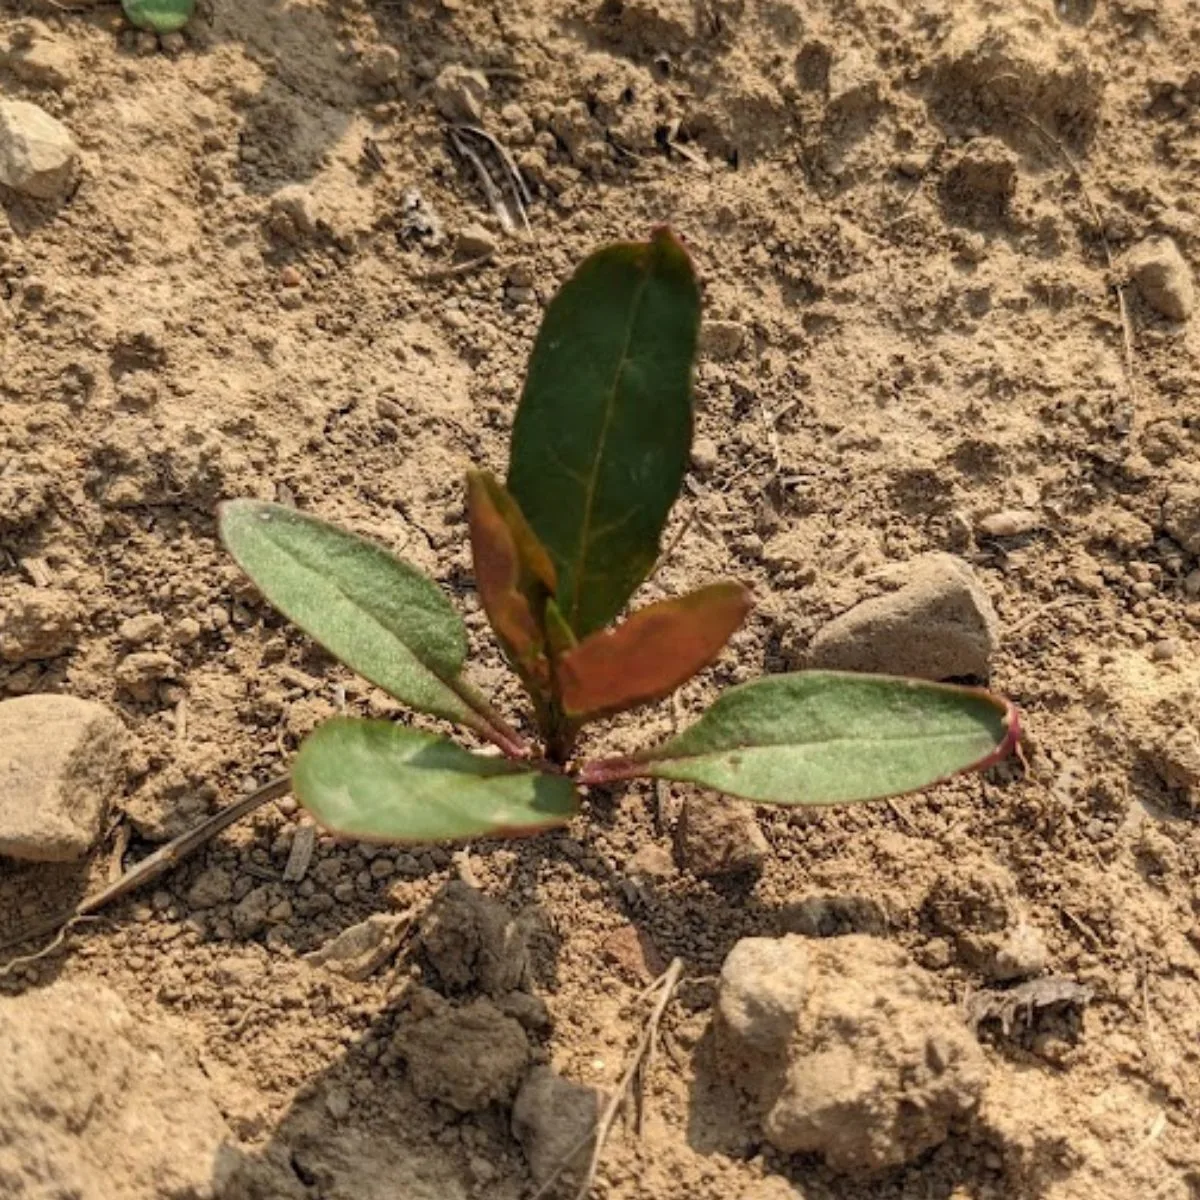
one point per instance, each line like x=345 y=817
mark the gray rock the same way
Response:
x=554 y=1120
x=62 y=760
x=37 y=623
x=939 y=624
x=38 y=156
x=719 y=836
x=1162 y=277
x=100 y=1105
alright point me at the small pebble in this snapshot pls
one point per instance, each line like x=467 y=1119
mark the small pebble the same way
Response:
x=1166 y=649
x=1011 y=522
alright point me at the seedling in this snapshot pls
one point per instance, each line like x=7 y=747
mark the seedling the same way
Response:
x=599 y=449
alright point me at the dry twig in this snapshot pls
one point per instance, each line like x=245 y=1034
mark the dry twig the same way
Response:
x=631 y=1081
x=490 y=190
x=158 y=863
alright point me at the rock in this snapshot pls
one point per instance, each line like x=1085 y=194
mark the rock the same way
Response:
x=459 y=94
x=37 y=623
x=1163 y=277
x=40 y=60
x=38 y=156
x=633 y=953
x=718 y=836
x=62 y=761
x=722 y=340
x=292 y=214
x=471 y=941
x=95 y=1102
x=761 y=994
x=1009 y=522
x=1181 y=515
x=140 y=673
x=877 y=1071
x=146 y=627
x=360 y=950
x=940 y=624
x=380 y=66
x=706 y=454
x=1020 y=955
x=554 y=1120
x=467 y=1057
x=474 y=242
x=212 y=886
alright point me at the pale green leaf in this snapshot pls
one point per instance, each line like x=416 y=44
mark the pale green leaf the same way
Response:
x=376 y=781
x=379 y=615
x=828 y=737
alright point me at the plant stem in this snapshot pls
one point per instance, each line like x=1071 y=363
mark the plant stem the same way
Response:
x=491 y=724
x=610 y=770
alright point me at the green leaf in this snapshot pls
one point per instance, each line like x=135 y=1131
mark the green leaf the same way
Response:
x=601 y=438
x=159 y=16
x=379 y=615
x=829 y=737
x=649 y=655
x=376 y=781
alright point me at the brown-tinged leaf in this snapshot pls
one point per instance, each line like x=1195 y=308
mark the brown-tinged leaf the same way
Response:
x=513 y=573
x=652 y=653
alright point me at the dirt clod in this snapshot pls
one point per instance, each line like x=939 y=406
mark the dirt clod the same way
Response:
x=62 y=763
x=37 y=623
x=876 y=1070
x=717 y=836
x=467 y=1057
x=97 y=1103
x=472 y=941
x=553 y=1119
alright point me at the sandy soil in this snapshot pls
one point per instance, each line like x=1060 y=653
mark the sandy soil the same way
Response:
x=910 y=216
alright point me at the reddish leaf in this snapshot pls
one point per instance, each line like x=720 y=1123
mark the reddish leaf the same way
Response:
x=513 y=573
x=651 y=654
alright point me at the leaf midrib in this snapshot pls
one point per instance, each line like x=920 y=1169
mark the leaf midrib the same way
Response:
x=590 y=495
